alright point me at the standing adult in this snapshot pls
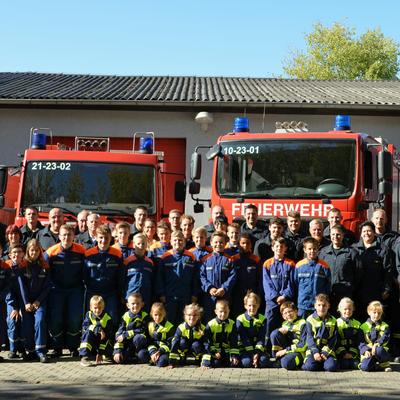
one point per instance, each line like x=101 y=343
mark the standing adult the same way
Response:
x=140 y=215
x=335 y=218
x=216 y=211
x=376 y=270
x=49 y=235
x=31 y=228
x=295 y=233
x=174 y=219
x=316 y=227
x=252 y=225
x=81 y=222
x=88 y=239
x=343 y=263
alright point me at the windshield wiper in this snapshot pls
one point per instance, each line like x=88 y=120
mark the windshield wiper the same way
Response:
x=311 y=195
x=114 y=211
x=40 y=207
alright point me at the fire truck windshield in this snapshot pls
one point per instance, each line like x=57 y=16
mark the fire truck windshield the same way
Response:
x=114 y=188
x=287 y=168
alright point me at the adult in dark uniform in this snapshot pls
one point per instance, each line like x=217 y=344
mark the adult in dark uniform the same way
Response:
x=49 y=235
x=32 y=226
x=253 y=226
x=334 y=218
x=88 y=239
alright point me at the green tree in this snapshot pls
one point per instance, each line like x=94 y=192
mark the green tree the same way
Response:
x=337 y=53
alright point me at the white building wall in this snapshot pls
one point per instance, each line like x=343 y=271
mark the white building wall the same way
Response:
x=15 y=125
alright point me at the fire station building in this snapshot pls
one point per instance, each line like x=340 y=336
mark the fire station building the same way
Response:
x=183 y=112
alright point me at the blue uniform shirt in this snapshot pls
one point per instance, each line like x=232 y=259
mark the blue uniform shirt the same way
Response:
x=66 y=266
x=178 y=276
x=311 y=278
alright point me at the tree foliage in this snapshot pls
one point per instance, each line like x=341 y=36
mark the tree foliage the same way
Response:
x=337 y=53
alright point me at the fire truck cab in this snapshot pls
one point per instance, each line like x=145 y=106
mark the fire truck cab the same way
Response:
x=90 y=176
x=294 y=169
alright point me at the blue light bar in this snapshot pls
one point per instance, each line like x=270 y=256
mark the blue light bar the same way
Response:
x=38 y=140
x=342 y=123
x=241 y=124
x=146 y=145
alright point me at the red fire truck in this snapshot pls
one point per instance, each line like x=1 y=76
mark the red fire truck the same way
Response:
x=294 y=169
x=89 y=175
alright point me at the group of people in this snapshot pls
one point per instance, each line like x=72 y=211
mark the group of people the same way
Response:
x=249 y=294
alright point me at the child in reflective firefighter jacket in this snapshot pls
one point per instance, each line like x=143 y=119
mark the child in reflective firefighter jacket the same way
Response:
x=178 y=282
x=97 y=333
x=131 y=339
x=161 y=332
x=289 y=342
x=349 y=336
x=251 y=327
x=188 y=340
x=374 y=347
x=221 y=339
x=321 y=338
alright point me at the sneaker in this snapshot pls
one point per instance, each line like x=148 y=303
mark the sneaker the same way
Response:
x=397 y=359
x=12 y=354
x=43 y=358
x=56 y=353
x=85 y=362
x=388 y=369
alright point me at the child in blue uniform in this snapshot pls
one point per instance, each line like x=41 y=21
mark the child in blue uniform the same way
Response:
x=217 y=275
x=97 y=333
x=178 y=282
x=289 y=342
x=312 y=277
x=161 y=333
x=13 y=302
x=104 y=273
x=349 y=336
x=221 y=339
x=132 y=336
x=278 y=283
x=140 y=272
x=159 y=248
x=374 y=348
x=66 y=260
x=321 y=338
x=251 y=327
x=200 y=248
x=232 y=247
x=248 y=274
x=34 y=284
x=188 y=340
x=123 y=244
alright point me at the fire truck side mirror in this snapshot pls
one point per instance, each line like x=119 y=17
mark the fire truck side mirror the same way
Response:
x=3 y=179
x=198 y=208
x=180 y=191
x=385 y=166
x=195 y=166
x=194 y=187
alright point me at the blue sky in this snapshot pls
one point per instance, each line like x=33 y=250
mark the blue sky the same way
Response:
x=154 y=37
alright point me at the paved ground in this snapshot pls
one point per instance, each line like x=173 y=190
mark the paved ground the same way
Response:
x=66 y=379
